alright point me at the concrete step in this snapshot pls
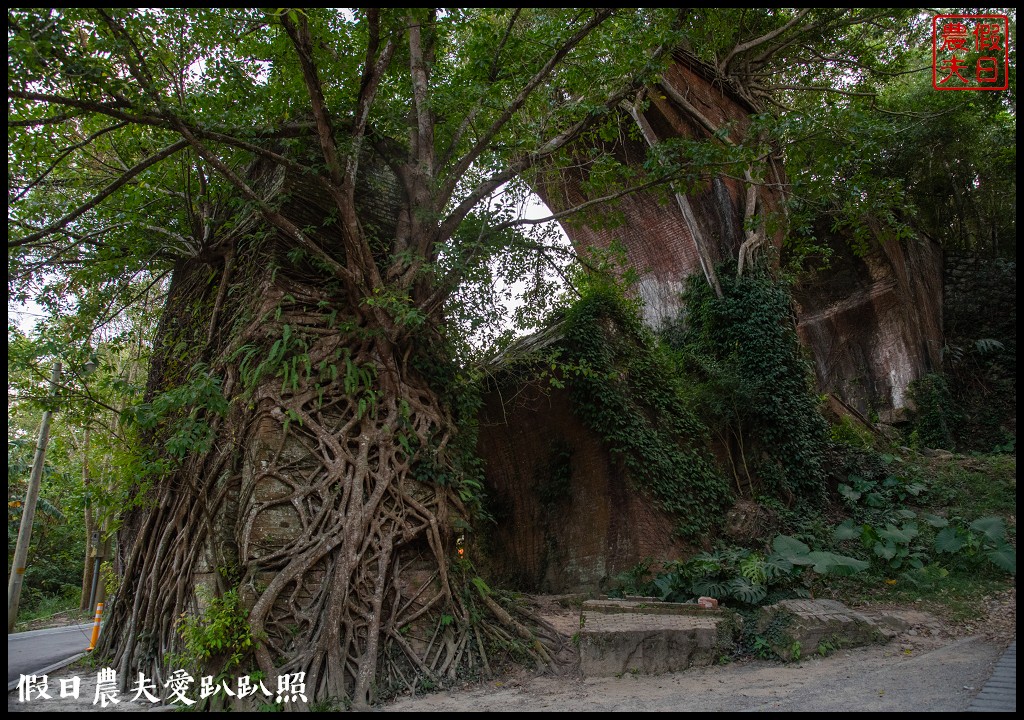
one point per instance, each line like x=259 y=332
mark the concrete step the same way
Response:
x=802 y=627
x=648 y=637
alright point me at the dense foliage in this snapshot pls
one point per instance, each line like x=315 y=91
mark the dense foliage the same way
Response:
x=900 y=527
x=624 y=387
x=753 y=386
x=321 y=186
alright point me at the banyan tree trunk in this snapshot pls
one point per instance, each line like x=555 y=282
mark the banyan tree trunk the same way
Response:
x=316 y=498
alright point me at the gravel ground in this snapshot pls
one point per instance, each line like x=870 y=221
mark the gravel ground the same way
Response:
x=930 y=666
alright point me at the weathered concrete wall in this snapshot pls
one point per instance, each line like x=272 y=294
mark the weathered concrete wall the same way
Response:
x=567 y=517
x=873 y=324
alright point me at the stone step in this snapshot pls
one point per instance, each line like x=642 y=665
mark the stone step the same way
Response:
x=648 y=637
x=803 y=627
x=645 y=636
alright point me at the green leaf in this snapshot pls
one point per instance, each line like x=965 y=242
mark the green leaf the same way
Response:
x=792 y=550
x=777 y=566
x=746 y=591
x=886 y=551
x=1004 y=557
x=710 y=587
x=481 y=586
x=875 y=500
x=902 y=535
x=846 y=531
x=848 y=492
x=993 y=528
x=670 y=587
x=829 y=563
x=949 y=540
x=753 y=569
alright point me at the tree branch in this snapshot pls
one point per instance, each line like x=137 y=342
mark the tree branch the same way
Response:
x=586 y=205
x=64 y=153
x=529 y=160
x=136 y=65
x=467 y=121
x=815 y=88
x=116 y=111
x=804 y=31
x=271 y=215
x=51 y=120
x=373 y=71
x=423 y=145
x=678 y=98
x=303 y=43
x=485 y=139
x=101 y=196
x=447 y=286
x=723 y=67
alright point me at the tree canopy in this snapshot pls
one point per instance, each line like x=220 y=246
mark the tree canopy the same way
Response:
x=327 y=202
x=155 y=113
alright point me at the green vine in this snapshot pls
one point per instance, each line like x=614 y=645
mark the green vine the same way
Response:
x=752 y=385
x=936 y=415
x=556 y=484
x=459 y=390
x=183 y=417
x=625 y=388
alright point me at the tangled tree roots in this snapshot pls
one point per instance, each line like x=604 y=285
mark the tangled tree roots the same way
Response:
x=321 y=501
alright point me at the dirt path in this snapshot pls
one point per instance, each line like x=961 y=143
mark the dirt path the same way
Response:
x=931 y=666
x=889 y=679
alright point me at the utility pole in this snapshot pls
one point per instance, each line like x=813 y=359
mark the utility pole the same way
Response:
x=91 y=535
x=28 y=511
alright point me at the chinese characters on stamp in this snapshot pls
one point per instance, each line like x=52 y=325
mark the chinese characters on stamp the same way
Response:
x=970 y=52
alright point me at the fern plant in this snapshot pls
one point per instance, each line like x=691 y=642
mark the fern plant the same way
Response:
x=747 y=577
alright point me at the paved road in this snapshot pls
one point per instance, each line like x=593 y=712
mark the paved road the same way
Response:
x=29 y=652
x=1000 y=692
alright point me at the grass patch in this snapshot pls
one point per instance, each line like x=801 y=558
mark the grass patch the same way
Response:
x=50 y=611
x=978 y=485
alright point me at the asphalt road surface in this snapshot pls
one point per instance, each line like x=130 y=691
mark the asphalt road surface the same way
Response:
x=28 y=652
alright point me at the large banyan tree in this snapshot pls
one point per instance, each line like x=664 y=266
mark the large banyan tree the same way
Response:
x=318 y=185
